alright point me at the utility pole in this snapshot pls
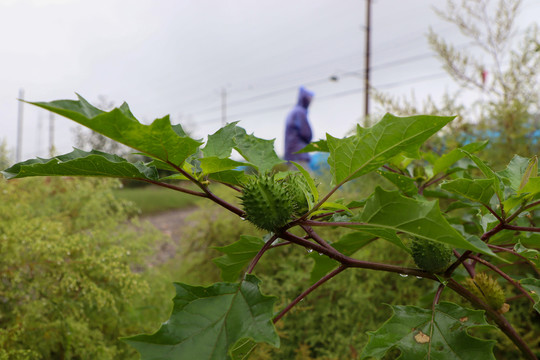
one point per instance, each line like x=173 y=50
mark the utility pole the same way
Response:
x=367 y=59
x=223 y=106
x=18 y=154
x=51 y=134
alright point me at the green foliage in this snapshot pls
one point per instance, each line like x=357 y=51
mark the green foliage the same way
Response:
x=424 y=334
x=533 y=285
x=316 y=237
x=371 y=148
x=237 y=256
x=77 y=162
x=66 y=285
x=245 y=312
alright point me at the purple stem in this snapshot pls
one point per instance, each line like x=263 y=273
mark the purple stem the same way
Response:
x=500 y=248
x=173 y=187
x=308 y=291
x=521 y=228
x=493 y=213
x=257 y=257
x=309 y=230
x=468 y=267
x=209 y=194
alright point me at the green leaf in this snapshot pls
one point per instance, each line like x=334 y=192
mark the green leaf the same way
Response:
x=533 y=285
x=514 y=172
x=425 y=334
x=321 y=146
x=489 y=173
x=231 y=177
x=243 y=349
x=530 y=172
x=387 y=212
x=221 y=143
x=532 y=254
x=372 y=147
x=406 y=184
x=159 y=140
x=458 y=205
x=237 y=256
x=82 y=163
x=478 y=190
x=214 y=164
x=258 y=152
x=347 y=245
x=206 y=322
x=447 y=160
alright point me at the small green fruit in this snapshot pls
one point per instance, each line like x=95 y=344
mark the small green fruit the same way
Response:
x=267 y=203
x=487 y=289
x=431 y=256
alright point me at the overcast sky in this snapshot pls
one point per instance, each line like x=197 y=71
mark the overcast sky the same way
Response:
x=177 y=57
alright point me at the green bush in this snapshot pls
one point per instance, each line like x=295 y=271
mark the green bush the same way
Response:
x=67 y=290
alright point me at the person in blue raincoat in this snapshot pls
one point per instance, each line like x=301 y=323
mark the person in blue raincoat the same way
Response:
x=297 y=129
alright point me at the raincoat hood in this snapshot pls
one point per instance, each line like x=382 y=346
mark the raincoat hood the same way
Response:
x=304 y=97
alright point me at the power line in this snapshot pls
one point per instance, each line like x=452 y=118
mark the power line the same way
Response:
x=261 y=96
x=318 y=81
x=330 y=96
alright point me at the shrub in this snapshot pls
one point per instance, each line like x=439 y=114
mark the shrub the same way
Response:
x=66 y=287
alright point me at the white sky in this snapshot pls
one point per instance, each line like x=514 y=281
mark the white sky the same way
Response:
x=175 y=57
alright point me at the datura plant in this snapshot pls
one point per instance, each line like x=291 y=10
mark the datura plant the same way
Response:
x=471 y=230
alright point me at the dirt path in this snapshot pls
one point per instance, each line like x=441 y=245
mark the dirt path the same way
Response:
x=170 y=223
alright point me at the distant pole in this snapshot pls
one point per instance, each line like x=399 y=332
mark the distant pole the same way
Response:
x=39 y=132
x=367 y=60
x=51 y=134
x=223 y=107
x=18 y=155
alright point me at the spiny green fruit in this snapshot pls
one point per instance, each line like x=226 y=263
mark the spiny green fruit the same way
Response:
x=487 y=289
x=431 y=256
x=267 y=203
x=297 y=187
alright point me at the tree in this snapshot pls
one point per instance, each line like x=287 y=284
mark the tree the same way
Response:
x=500 y=64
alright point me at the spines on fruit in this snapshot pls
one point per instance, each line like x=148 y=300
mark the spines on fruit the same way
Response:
x=431 y=256
x=267 y=203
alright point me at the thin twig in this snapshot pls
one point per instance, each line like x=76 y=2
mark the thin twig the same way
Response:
x=433 y=181
x=468 y=267
x=456 y=263
x=521 y=209
x=173 y=187
x=510 y=251
x=257 y=257
x=309 y=230
x=392 y=169
x=308 y=291
x=435 y=302
x=209 y=194
x=494 y=213
x=281 y=244
x=521 y=228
